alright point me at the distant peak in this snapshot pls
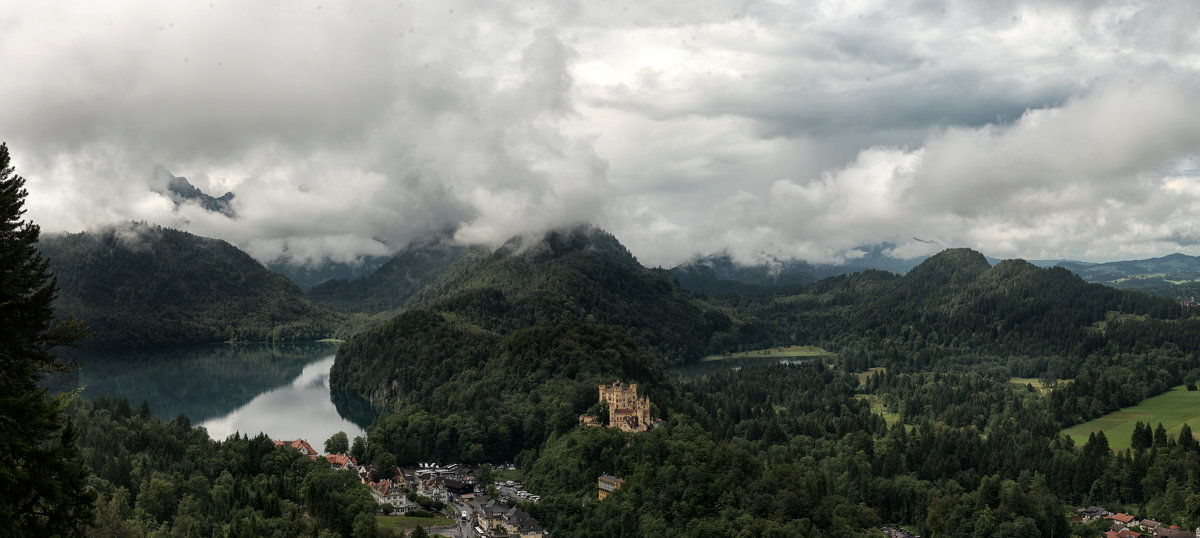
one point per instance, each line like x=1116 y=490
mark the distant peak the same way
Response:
x=951 y=265
x=181 y=190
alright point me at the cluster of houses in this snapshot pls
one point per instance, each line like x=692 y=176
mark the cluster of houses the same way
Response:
x=1129 y=526
x=493 y=518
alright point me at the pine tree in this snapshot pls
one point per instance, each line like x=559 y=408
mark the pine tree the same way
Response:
x=42 y=479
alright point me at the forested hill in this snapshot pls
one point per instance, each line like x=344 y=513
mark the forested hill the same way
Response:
x=957 y=299
x=580 y=275
x=460 y=393
x=142 y=285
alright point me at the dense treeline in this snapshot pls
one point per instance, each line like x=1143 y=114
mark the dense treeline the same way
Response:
x=142 y=286
x=795 y=450
x=803 y=456
x=159 y=478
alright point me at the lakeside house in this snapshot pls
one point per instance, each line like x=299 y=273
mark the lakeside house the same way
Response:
x=302 y=446
x=341 y=462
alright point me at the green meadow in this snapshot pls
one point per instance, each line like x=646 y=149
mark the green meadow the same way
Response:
x=1172 y=408
x=784 y=352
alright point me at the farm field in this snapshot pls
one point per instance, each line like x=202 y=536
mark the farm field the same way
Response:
x=1172 y=408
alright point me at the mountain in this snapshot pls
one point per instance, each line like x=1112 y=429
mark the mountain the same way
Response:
x=394 y=282
x=141 y=285
x=503 y=349
x=1172 y=269
x=182 y=191
x=719 y=273
x=310 y=275
x=956 y=298
x=582 y=274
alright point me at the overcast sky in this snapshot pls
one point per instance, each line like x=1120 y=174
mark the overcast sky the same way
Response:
x=1035 y=129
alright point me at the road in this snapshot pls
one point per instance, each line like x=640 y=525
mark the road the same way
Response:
x=462 y=529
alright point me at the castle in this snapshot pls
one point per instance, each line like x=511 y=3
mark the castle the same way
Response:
x=626 y=410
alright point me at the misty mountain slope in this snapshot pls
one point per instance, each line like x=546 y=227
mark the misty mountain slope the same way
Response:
x=581 y=275
x=181 y=191
x=141 y=285
x=720 y=274
x=310 y=275
x=392 y=284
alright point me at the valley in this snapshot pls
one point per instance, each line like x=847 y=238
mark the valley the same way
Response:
x=926 y=385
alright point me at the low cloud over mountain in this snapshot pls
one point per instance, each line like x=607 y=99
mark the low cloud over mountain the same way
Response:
x=768 y=131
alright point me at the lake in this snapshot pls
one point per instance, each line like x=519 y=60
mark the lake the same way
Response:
x=279 y=389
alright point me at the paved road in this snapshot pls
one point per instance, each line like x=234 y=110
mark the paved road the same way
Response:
x=462 y=529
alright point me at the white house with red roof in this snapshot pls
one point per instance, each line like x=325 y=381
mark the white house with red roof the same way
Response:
x=302 y=446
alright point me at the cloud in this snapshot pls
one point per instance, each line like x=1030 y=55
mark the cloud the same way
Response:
x=1097 y=171
x=764 y=129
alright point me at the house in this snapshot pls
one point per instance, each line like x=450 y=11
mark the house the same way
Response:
x=608 y=484
x=301 y=445
x=1092 y=513
x=497 y=519
x=1126 y=533
x=1173 y=533
x=434 y=488
x=1151 y=525
x=459 y=488
x=340 y=462
x=1123 y=518
x=387 y=492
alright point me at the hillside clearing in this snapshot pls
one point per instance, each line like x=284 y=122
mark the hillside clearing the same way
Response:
x=1172 y=408
x=785 y=351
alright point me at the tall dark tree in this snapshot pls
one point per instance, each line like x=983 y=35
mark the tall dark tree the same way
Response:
x=337 y=443
x=1160 y=435
x=42 y=479
x=1185 y=437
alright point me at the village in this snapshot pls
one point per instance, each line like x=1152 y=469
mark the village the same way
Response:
x=1129 y=526
x=481 y=510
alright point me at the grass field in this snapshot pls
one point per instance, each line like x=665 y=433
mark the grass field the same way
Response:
x=401 y=522
x=1037 y=384
x=878 y=408
x=1171 y=408
x=788 y=351
x=864 y=376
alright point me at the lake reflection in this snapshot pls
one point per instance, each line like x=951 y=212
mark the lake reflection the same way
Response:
x=279 y=389
x=299 y=410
